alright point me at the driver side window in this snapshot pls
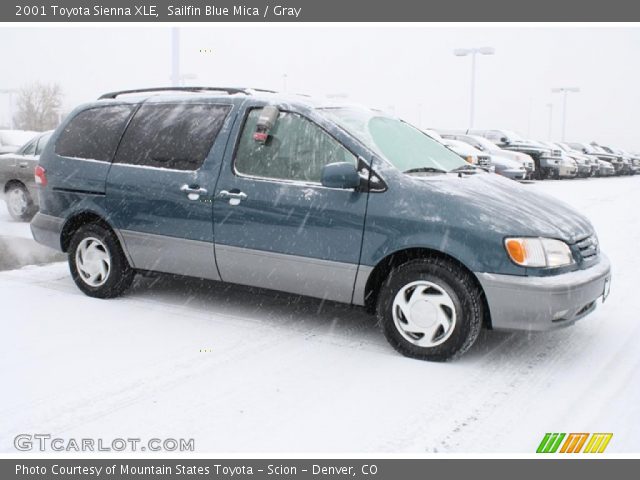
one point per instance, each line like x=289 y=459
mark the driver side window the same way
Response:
x=296 y=149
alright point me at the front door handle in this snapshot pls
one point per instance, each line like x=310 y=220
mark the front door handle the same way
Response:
x=193 y=191
x=234 y=197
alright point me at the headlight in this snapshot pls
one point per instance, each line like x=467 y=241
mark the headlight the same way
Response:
x=538 y=252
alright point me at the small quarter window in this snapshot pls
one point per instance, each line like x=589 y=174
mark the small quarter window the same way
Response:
x=94 y=134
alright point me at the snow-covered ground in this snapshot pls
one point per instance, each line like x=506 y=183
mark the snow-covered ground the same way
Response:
x=247 y=371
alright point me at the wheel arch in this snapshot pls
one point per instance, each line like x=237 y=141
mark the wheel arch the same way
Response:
x=14 y=181
x=381 y=271
x=85 y=217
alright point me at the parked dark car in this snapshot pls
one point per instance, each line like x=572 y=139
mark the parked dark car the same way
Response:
x=490 y=148
x=548 y=161
x=17 y=180
x=587 y=166
x=341 y=203
x=600 y=154
x=627 y=160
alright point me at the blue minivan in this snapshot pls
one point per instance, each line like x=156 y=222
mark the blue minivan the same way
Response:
x=338 y=202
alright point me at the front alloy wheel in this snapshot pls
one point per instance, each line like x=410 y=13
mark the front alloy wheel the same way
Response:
x=424 y=313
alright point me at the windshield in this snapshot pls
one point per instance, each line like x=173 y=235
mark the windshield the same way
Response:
x=488 y=145
x=513 y=136
x=405 y=147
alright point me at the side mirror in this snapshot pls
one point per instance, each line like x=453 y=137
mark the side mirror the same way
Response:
x=340 y=175
x=505 y=140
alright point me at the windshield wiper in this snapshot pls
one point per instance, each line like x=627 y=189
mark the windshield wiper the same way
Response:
x=425 y=170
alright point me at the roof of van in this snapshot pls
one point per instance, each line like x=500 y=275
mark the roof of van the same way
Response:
x=181 y=93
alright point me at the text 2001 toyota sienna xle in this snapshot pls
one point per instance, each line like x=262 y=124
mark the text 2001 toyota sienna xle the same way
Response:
x=340 y=203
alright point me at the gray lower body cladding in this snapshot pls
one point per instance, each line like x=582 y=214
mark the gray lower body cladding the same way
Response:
x=544 y=303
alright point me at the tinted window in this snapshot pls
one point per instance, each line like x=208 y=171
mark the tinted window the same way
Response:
x=42 y=142
x=176 y=136
x=296 y=149
x=94 y=134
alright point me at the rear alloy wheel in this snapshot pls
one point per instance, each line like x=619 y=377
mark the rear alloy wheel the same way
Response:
x=19 y=203
x=430 y=309
x=97 y=263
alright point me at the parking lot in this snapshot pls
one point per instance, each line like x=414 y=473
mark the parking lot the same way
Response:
x=253 y=371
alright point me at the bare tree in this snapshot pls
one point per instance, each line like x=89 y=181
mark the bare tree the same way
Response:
x=38 y=107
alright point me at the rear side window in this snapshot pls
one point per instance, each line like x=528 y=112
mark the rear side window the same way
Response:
x=94 y=134
x=173 y=136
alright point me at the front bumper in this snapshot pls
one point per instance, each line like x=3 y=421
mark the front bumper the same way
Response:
x=544 y=303
x=47 y=230
x=566 y=171
x=513 y=174
x=584 y=170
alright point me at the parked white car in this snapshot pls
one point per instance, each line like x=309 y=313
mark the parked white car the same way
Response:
x=490 y=148
x=470 y=154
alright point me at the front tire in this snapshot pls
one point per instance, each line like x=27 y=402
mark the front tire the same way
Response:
x=97 y=263
x=430 y=309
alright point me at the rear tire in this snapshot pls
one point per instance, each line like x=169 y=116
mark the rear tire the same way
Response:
x=97 y=263
x=20 y=203
x=430 y=309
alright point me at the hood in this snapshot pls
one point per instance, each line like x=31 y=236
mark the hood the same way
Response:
x=492 y=202
x=519 y=157
x=506 y=162
x=528 y=146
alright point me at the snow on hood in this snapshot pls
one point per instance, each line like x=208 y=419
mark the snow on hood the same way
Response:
x=506 y=207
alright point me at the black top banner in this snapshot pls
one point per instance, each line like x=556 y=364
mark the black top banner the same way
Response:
x=319 y=11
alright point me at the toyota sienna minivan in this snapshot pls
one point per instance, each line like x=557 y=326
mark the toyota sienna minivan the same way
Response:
x=341 y=203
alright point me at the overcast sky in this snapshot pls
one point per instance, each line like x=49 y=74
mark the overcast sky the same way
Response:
x=410 y=70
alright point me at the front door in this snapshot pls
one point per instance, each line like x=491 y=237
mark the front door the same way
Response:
x=160 y=184
x=275 y=225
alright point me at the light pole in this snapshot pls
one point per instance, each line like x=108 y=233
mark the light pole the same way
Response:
x=550 y=107
x=175 y=57
x=564 y=91
x=10 y=92
x=463 y=52
x=187 y=76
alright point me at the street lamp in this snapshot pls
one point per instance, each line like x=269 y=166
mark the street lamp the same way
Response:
x=175 y=57
x=550 y=107
x=187 y=76
x=463 y=52
x=564 y=91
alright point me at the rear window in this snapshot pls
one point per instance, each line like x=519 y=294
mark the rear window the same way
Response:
x=94 y=134
x=172 y=136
